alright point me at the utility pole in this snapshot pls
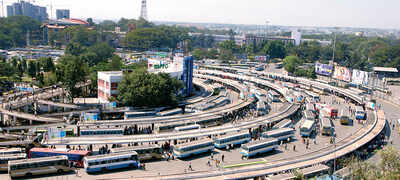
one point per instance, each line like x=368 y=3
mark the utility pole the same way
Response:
x=2 y=9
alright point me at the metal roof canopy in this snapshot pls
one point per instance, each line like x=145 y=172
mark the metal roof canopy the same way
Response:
x=385 y=69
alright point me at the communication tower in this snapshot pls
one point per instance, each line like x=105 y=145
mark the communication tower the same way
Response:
x=143 y=12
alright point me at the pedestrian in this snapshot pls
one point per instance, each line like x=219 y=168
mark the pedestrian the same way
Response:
x=212 y=155
x=77 y=172
x=216 y=163
x=144 y=166
x=208 y=163
x=294 y=147
x=285 y=146
x=190 y=166
x=223 y=158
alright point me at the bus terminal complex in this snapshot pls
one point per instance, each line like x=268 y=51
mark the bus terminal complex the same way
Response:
x=260 y=125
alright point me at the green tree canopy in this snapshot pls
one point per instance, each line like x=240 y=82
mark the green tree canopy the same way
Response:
x=291 y=62
x=275 y=49
x=142 y=89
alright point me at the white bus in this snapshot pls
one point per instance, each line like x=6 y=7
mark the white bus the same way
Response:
x=359 y=113
x=106 y=162
x=308 y=115
x=258 y=147
x=10 y=157
x=10 y=151
x=273 y=96
x=145 y=152
x=193 y=148
x=38 y=166
x=232 y=140
x=313 y=95
x=132 y=115
x=280 y=134
x=326 y=127
x=307 y=128
x=187 y=128
x=284 y=124
x=261 y=108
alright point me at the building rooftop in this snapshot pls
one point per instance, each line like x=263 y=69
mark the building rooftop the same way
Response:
x=115 y=73
x=385 y=69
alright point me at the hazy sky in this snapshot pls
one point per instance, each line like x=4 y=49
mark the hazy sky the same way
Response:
x=353 y=13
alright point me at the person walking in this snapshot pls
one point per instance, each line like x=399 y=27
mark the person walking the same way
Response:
x=212 y=156
x=190 y=166
x=223 y=158
x=294 y=147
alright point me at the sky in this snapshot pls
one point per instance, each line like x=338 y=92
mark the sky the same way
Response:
x=332 y=13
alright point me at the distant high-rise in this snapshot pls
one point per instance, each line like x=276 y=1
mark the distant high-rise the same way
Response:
x=27 y=9
x=143 y=12
x=62 y=13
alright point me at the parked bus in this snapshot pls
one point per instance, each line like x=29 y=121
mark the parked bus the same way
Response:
x=307 y=128
x=107 y=162
x=187 y=128
x=69 y=132
x=73 y=155
x=258 y=147
x=273 y=96
x=326 y=127
x=171 y=112
x=332 y=111
x=280 y=134
x=101 y=131
x=145 y=152
x=193 y=148
x=345 y=117
x=261 y=108
x=4 y=158
x=283 y=124
x=360 y=113
x=308 y=115
x=313 y=95
x=132 y=115
x=7 y=151
x=38 y=166
x=232 y=139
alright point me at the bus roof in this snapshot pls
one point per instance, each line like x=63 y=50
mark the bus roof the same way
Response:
x=20 y=161
x=307 y=124
x=12 y=156
x=10 y=150
x=111 y=155
x=233 y=135
x=326 y=122
x=262 y=141
x=278 y=131
x=64 y=151
x=133 y=148
x=203 y=141
x=359 y=108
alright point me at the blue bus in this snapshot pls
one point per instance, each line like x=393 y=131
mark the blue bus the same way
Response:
x=258 y=147
x=232 y=139
x=104 y=163
x=359 y=113
x=193 y=148
x=101 y=131
x=307 y=128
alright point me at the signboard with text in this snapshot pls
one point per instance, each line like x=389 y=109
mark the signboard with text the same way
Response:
x=360 y=77
x=323 y=69
x=342 y=73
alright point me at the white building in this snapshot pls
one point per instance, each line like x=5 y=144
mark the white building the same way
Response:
x=296 y=35
x=108 y=84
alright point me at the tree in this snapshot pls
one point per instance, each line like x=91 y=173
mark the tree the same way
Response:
x=290 y=63
x=47 y=64
x=71 y=70
x=142 y=89
x=97 y=53
x=116 y=63
x=74 y=49
x=32 y=69
x=275 y=49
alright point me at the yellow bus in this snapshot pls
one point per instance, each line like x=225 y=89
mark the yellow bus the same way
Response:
x=38 y=166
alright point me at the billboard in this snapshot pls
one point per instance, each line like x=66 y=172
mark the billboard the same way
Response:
x=323 y=69
x=55 y=133
x=342 y=73
x=260 y=58
x=360 y=77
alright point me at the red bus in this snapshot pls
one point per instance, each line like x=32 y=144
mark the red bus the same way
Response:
x=73 y=155
x=332 y=111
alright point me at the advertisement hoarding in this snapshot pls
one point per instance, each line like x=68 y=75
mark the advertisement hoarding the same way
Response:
x=342 y=73
x=55 y=133
x=323 y=69
x=260 y=58
x=360 y=77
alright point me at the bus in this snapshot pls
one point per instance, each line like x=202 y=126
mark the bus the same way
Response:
x=313 y=95
x=193 y=148
x=283 y=124
x=345 y=117
x=132 y=115
x=309 y=115
x=326 y=127
x=171 y=112
x=232 y=139
x=69 y=132
x=7 y=151
x=307 y=128
x=332 y=111
x=258 y=147
x=187 y=128
x=38 y=166
x=73 y=155
x=106 y=162
x=280 y=134
x=4 y=158
x=273 y=96
x=261 y=108
x=101 y=131
x=359 y=113
x=145 y=152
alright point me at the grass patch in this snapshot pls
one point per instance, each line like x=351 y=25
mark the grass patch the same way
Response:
x=244 y=164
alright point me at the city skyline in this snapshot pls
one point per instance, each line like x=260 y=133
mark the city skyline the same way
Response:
x=357 y=13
